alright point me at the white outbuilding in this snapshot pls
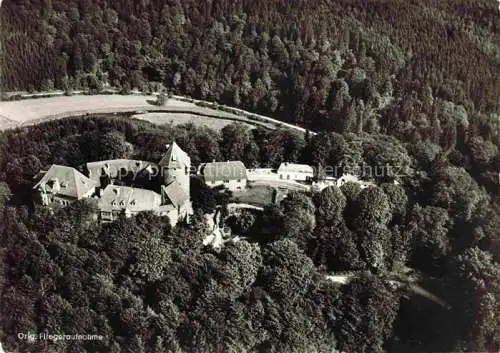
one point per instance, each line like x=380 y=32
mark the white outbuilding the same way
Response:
x=295 y=172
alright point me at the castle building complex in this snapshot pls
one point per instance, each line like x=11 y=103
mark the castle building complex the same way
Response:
x=62 y=185
x=118 y=184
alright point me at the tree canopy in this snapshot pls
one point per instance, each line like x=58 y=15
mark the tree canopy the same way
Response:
x=381 y=85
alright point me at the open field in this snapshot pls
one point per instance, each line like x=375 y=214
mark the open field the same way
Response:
x=282 y=184
x=32 y=111
x=185 y=118
x=6 y=123
x=257 y=195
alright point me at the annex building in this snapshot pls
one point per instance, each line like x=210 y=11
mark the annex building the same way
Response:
x=62 y=185
x=231 y=174
x=295 y=172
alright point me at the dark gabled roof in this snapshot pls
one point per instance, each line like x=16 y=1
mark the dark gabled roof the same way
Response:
x=114 y=167
x=72 y=183
x=231 y=170
x=175 y=193
x=117 y=198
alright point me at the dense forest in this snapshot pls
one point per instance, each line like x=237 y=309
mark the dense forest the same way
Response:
x=424 y=72
x=410 y=84
x=148 y=288
x=310 y=62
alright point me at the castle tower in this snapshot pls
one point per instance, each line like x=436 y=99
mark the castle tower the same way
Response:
x=175 y=166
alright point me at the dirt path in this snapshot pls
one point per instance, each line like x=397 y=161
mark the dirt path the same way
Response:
x=414 y=287
x=243 y=206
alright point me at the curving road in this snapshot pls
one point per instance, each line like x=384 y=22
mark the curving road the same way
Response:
x=408 y=283
x=243 y=206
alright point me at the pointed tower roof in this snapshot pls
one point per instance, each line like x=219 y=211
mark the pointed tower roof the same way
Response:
x=175 y=157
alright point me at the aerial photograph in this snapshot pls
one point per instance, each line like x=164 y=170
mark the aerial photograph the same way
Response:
x=249 y=176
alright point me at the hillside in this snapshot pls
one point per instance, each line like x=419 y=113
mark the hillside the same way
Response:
x=148 y=288
x=412 y=69
x=264 y=52
x=405 y=84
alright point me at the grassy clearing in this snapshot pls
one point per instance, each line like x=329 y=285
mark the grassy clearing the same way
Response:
x=185 y=118
x=29 y=111
x=6 y=123
x=258 y=195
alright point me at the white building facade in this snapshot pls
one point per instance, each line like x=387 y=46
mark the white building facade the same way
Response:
x=231 y=174
x=295 y=172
